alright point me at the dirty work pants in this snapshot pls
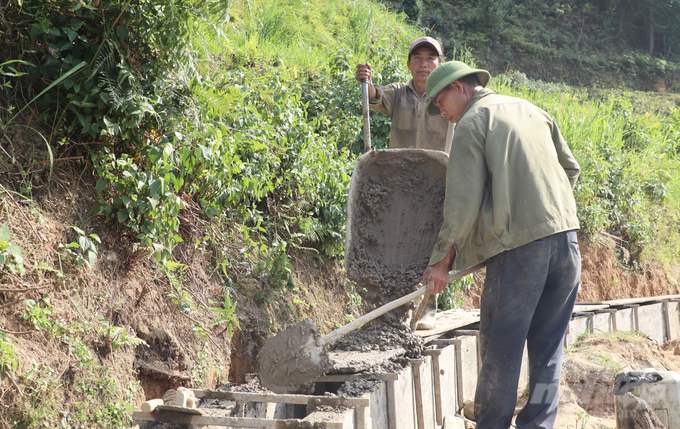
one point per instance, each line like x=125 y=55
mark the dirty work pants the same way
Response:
x=529 y=294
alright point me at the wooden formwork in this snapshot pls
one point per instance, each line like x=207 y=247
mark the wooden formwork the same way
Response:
x=658 y=317
x=417 y=396
x=348 y=413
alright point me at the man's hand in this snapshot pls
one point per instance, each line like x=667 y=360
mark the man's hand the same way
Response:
x=365 y=71
x=436 y=276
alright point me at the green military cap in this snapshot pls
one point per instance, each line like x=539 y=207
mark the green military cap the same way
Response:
x=445 y=74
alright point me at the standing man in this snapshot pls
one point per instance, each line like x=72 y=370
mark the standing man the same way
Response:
x=509 y=201
x=411 y=127
x=405 y=102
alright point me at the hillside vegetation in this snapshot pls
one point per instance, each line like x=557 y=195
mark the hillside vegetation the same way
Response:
x=166 y=165
x=593 y=43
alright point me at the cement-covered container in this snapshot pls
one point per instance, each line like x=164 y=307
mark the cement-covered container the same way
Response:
x=659 y=389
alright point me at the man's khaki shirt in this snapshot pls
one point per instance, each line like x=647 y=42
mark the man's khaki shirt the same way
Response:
x=509 y=180
x=411 y=127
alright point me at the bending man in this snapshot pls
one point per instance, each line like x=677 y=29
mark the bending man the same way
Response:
x=509 y=200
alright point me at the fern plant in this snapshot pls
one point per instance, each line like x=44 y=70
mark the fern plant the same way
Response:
x=116 y=336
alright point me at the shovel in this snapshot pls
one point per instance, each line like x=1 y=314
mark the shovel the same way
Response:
x=292 y=360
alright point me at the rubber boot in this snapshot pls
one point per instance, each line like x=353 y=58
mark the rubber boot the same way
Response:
x=427 y=319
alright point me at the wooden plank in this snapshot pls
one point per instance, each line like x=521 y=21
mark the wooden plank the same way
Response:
x=391 y=405
x=179 y=409
x=242 y=422
x=666 y=321
x=341 y=378
x=281 y=399
x=450 y=320
x=417 y=384
x=631 y=301
x=437 y=384
x=582 y=308
x=319 y=418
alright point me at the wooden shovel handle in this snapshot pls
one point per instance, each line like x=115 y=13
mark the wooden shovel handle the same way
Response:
x=335 y=335
x=421 y=307
x=367 y=117
x=338 y=333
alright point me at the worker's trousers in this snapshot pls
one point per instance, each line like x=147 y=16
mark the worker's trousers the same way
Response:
x=529 y=295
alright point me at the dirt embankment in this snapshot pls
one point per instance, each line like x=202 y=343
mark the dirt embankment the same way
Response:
x=590 y=367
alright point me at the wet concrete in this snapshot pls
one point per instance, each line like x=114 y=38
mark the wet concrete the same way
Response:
x=381 y=336
x=395 y=208
x=289 y=363
x=358 y=386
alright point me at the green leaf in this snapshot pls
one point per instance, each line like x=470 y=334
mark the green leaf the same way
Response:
x=178 y=239
x=15 y=251
x=155 y=186
x=76 y=23
x=84 y=243
x=72 y=35
x=122 y=216
x=4 y=232
x=2 y=259
x=92 y=257
x=101 y=185
x=121 y=32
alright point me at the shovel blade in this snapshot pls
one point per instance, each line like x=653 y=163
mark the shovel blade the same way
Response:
x=290 y=361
